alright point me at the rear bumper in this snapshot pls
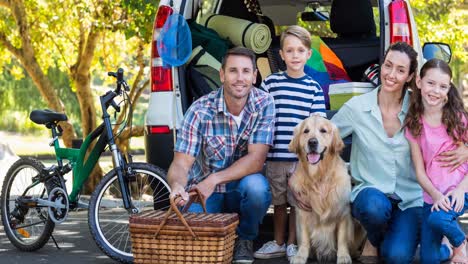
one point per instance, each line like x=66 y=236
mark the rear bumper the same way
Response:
x=159 y=149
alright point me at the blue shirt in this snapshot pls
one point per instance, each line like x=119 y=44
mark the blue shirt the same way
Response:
x=210 y=134
x=295 y=100
x=376 y=160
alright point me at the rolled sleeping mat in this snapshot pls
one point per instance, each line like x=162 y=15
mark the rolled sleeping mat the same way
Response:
x=240 y=32
x=205 y=59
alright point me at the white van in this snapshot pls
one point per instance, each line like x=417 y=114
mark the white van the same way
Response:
x=357 y=31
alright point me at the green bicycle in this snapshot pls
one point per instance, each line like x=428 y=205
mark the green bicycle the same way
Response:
x=35 y=198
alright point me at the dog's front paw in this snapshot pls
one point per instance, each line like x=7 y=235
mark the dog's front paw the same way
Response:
x=344 y=259
x=298 y=260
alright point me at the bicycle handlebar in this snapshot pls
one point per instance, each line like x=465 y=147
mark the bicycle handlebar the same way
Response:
x=119 y=75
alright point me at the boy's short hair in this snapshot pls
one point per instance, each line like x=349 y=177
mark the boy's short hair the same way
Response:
x=240 y=51
x=298 y=32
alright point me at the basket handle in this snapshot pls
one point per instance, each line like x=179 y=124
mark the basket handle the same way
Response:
x=194 y=192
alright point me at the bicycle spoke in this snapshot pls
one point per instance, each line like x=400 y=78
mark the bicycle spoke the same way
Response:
x=147 y=192
x=33 y=224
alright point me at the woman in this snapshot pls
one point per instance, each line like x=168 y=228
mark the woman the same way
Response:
x=386 y=197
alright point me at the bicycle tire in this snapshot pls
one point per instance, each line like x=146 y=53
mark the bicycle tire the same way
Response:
x=107 y=217
x=21 y=232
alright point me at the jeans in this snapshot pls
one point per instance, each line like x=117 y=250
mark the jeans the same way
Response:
x=436 y=225
x=250 y=197
x=394 y=232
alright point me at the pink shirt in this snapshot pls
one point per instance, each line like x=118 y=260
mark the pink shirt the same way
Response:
x=433 y=141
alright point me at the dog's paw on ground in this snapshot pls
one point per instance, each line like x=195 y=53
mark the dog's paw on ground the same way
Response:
x=298 y=260
x=345 y=259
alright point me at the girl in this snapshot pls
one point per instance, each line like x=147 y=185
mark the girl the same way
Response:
x=437 y=122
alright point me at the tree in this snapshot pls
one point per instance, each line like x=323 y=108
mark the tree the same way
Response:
x=68 y=34
x=444 y=21
x=20 y=44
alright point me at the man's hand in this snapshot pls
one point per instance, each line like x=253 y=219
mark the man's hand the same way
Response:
x=207 y=186
x=454 y=158
x=458 y=199
x=179 y=190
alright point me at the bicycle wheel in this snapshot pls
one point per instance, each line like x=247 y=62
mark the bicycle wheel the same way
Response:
x=108 y=219
x=28 y=227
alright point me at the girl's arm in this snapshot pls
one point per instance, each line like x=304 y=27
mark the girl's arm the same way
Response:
x=440 y=201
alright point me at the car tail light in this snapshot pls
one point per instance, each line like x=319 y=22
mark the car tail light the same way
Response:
x=400 y=26
x=158 y=130
x=161 y=77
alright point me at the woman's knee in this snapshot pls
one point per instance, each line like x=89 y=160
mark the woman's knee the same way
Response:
x=371 y=205
x=397 y=255
x=429 y=259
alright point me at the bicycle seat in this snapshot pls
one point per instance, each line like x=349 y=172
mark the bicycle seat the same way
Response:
x=46 y=116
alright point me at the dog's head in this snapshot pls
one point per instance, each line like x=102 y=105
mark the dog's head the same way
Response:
x=314 y=138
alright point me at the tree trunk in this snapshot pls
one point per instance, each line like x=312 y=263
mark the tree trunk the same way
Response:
x=26 y=56
x=135 y=92
x=81 y=78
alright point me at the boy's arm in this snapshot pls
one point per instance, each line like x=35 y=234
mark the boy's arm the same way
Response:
x=318 y=104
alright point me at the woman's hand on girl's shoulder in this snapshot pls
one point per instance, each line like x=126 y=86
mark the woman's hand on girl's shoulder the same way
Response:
x=454 y=158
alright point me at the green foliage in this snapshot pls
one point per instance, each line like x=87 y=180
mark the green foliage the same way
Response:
x=15 y=121
x=140 y=16
x=18 y=94
x=20 y=97
x=443 y=21
x=55 y=28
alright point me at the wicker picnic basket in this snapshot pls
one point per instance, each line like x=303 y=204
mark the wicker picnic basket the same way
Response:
x=167 y=237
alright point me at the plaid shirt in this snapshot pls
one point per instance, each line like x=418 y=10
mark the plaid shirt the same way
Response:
x=210 y=134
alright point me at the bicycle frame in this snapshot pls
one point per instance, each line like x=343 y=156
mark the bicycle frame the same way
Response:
x=81 y=168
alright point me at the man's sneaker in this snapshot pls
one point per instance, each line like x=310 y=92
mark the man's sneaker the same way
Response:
x=291 y=251
x=243 y=251
x=271 y=250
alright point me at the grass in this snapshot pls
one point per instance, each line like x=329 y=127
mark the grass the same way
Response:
x=38 y=145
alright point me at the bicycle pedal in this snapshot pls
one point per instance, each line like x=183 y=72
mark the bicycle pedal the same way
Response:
x=82 y=205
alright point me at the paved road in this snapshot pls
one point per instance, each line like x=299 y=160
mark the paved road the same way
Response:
x=77 y=245
x=73 y=238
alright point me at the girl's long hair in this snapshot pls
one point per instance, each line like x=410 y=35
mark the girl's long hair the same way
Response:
x=453 y=112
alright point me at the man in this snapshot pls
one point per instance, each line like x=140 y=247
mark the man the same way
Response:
x=222 y=146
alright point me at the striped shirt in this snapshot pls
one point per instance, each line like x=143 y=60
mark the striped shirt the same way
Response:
x=295 y=100
x=210 y=134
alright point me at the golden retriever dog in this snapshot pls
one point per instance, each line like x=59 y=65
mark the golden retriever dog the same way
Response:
x=322 y=187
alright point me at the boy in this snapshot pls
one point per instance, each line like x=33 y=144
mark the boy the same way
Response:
x=296 y=96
